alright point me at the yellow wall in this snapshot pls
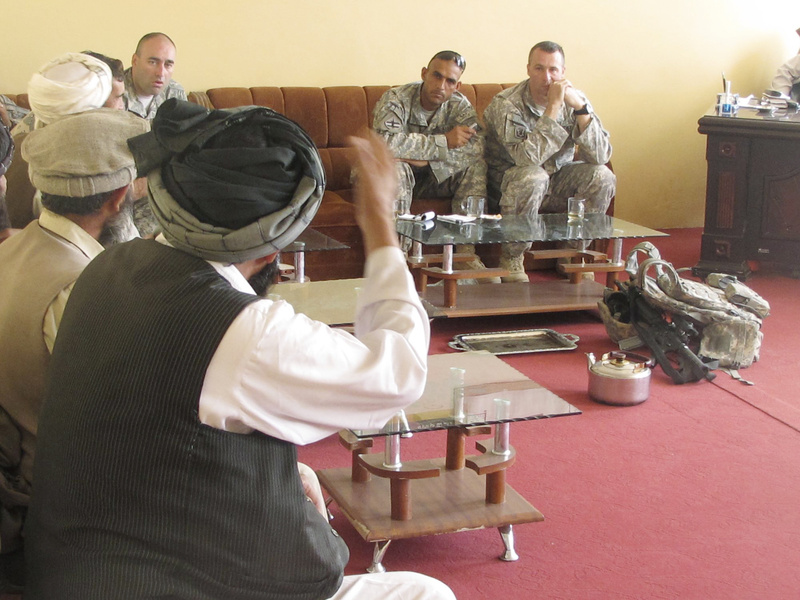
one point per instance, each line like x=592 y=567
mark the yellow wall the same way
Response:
x=651 y=69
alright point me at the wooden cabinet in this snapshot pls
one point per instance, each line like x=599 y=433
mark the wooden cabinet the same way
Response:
x=752 y=191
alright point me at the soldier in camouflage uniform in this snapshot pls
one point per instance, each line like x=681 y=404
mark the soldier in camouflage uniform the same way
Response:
x=148 y=82
x=10 y=112
x=431 y=129
x=532 y=131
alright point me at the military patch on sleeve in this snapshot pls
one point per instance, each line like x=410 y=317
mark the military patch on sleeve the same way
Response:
x=515 y=129
x=393 y=124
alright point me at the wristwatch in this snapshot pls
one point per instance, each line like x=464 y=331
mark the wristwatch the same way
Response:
x=583 y=110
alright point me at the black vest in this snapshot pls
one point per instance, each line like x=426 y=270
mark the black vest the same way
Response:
x=134 y=497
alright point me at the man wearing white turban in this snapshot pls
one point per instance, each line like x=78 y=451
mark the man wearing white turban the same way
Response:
x=72 y=83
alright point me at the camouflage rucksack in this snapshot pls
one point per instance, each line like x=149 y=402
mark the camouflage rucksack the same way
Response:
x=720 y=321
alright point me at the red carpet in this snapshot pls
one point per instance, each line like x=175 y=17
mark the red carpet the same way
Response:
x=692 y=494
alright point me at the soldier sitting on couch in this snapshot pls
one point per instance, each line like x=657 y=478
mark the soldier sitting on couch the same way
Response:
x=431 y=129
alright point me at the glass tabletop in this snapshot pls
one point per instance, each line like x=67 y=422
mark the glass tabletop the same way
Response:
x=312 y=240
x=484 y=404
x=540 y=228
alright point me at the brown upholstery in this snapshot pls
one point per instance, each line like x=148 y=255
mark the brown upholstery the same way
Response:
x=20 y=100
x=330 y=115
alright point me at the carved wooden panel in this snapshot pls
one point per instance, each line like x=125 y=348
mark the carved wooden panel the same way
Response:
x=781 y=206
x=726 y=196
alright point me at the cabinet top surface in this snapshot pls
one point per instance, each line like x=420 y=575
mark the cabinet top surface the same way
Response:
x=744 y=120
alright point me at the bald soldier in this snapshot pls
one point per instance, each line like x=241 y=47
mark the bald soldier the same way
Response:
x=148 y=81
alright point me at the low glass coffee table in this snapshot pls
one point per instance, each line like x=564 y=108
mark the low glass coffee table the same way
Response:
x=386 y=498
x=309 y=240
x=574 y=293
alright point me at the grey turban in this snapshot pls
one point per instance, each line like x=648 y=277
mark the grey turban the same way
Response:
x=229 y=185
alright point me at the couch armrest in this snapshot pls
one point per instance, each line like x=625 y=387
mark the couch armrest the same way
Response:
x=200 y=98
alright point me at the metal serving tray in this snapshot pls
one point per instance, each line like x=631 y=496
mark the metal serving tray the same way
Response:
x=515 y=342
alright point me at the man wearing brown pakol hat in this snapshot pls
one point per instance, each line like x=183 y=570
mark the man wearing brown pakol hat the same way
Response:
x=168 y=460
x=83 y=167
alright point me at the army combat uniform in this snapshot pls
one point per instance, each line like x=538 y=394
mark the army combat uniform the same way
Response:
x=13 y=110
x=134 y=105
x=414 y=133
x=532 y=163
x=531 y=158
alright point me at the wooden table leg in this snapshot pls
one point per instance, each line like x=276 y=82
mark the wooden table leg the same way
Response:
x=401 y=499
x=496 y=487
x=456 y=457
x=357 y=447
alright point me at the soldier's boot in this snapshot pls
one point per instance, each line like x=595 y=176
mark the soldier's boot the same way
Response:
x=515 y=265
x=473 y=265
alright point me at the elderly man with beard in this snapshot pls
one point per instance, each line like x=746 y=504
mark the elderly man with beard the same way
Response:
x=84 y=169
x=71 y=83
x=167 y=464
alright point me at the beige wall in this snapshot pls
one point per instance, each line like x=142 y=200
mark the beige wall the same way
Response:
x=650 y=68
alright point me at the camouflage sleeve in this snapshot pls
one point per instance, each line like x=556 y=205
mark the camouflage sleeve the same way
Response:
x=527 y=141
x=176 y=91
x=458 y=159
x=390 y=120
x=14 y=111
x=594 y=145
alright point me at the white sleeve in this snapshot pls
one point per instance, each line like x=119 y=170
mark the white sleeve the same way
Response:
x=299 y=380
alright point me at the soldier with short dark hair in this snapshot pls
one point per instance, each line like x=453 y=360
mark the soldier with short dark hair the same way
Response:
x=431 y=129
x=533 y=129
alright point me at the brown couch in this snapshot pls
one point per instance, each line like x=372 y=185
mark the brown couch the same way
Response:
x=330 y=115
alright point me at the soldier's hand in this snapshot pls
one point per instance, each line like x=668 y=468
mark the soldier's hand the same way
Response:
x=572 y=98
x=375 y=191
x=459 y=136
x=557 y=92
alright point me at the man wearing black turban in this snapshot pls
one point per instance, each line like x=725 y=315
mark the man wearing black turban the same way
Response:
x=167 y=464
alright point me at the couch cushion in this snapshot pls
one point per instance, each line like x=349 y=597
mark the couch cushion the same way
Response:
x=374 y=93
x=484 y=92
x=230 y=97
x=306 y=107
x=271 y=97
x=347 y=113
x=341 y=164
